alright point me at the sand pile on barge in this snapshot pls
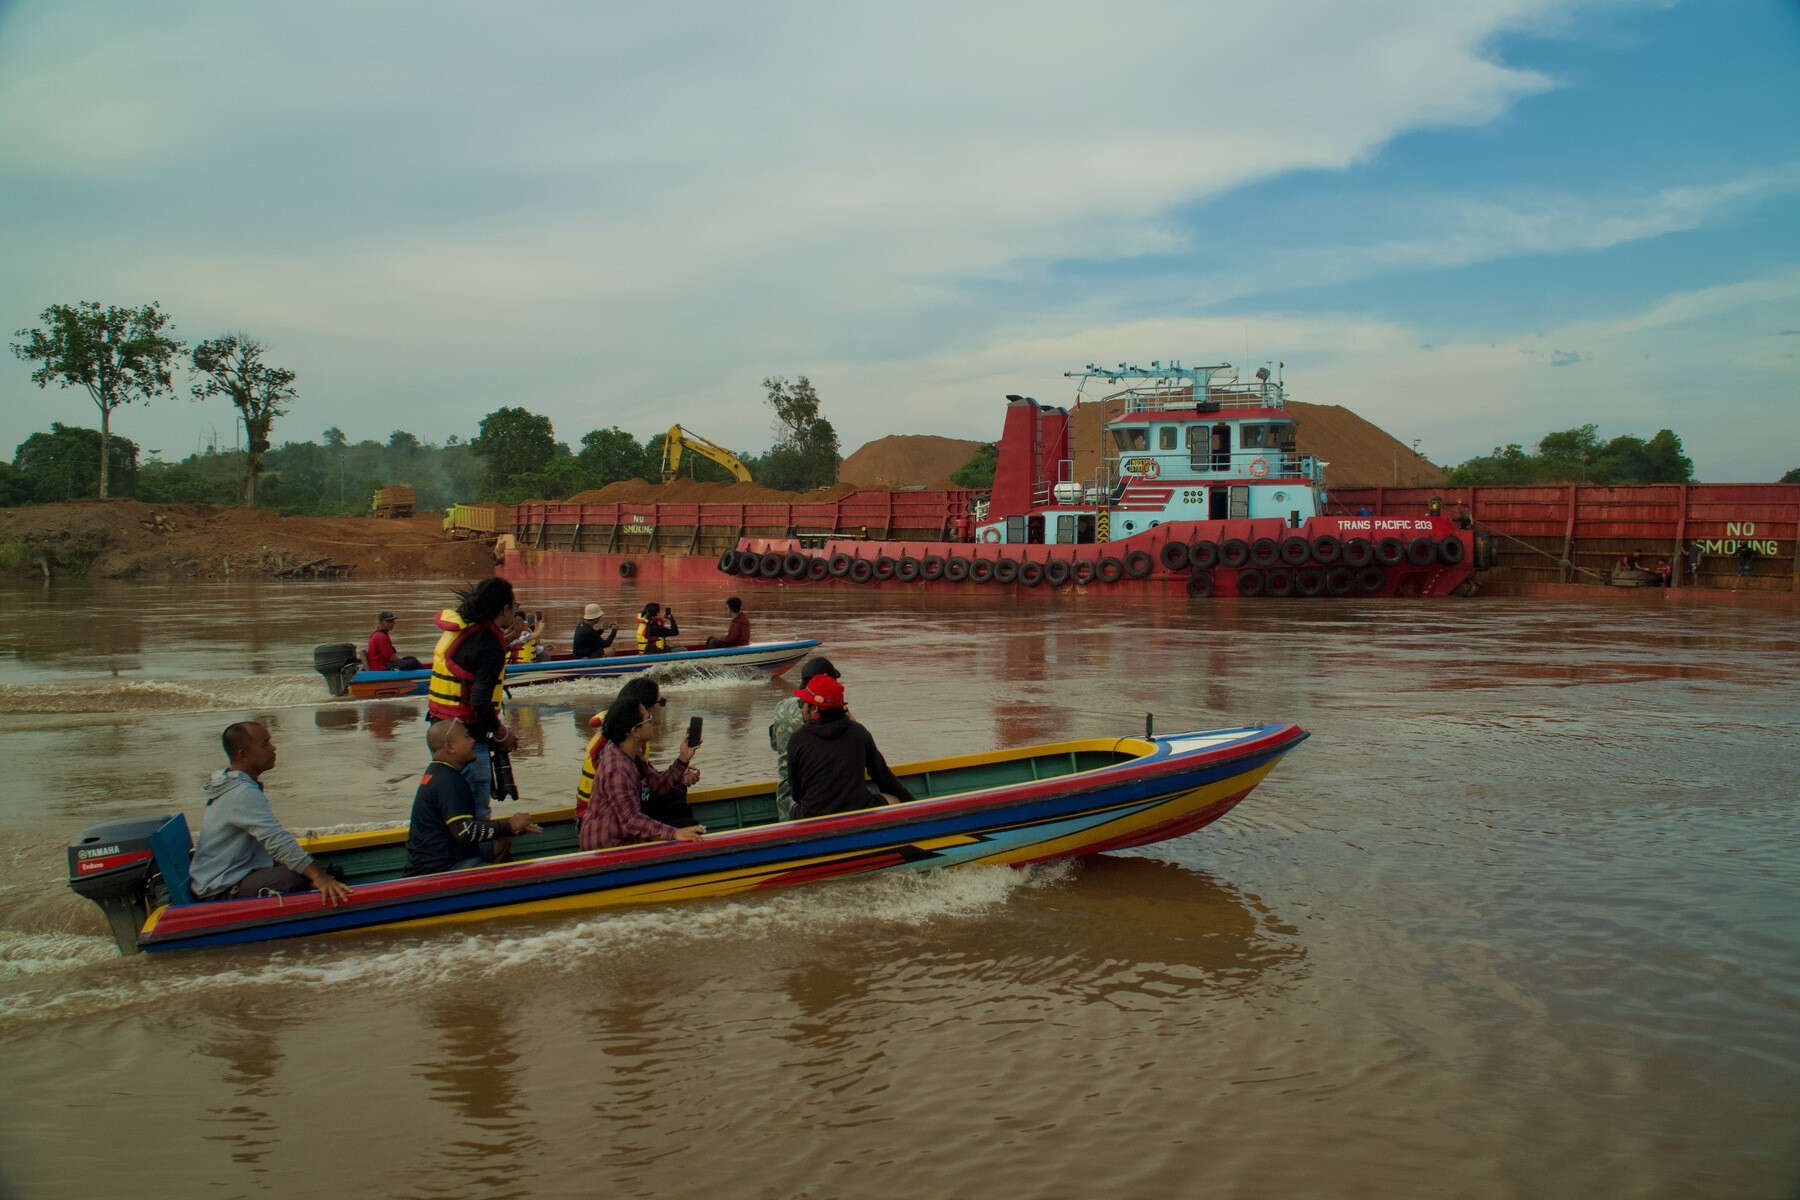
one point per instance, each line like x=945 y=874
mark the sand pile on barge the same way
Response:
x=908 y=460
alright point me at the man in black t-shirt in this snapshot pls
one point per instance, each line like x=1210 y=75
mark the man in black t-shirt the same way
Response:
x=445 y=834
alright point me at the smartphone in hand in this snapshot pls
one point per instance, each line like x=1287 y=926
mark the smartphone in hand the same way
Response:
x=693 y=735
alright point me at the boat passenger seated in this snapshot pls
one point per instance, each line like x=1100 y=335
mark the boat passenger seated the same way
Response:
x=380 y=651
x=655 y=626
x=790 y=715
x=589 y=641
x=738 y=632
x=444 y=833
x=615 y=815
x=242 y=850
x=831 y=758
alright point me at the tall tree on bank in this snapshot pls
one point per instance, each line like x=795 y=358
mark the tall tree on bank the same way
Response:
x=232 y=366
x=805 y=454
x=118 y=354
x=513 y=442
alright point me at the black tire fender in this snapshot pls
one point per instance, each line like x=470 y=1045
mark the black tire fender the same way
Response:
x=1174 y=555
x=1203 y=556
x=1139 y=562
x=1109 y=570
x=1006 y=570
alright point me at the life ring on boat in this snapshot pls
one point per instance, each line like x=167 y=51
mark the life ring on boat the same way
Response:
x=1056 y=572
x=1250 y=581
x=1389 y=552
x=1203 y=556
x=1421 y=552
x=885 y=566
x=990 y=535
x=931 y=567
x=1450 y=550
x=907 y=569
x=956 y=568
x=1309 y=581
x=981 y=570
x=1109 y=569
x=1138 y=563
x=861 y=571
x=1265 y=552
x=1326 y=549
x=627 y=569
x=1006 y=570
x=817 y=568
x=839 y=566
x=1279 y=582
x=1259 y=467
x=1031 y=573
x=1357 y=552
x=728 y=562
x=1234 y=552
x=1173 y=555
x=793 y=564
x=1339 y=580
x=1295 y=551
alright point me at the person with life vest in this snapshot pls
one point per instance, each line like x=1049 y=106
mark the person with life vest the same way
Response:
x=615 y=814
x=468 y=671
x=655 y=626
x=665 y=791
x=522 y=634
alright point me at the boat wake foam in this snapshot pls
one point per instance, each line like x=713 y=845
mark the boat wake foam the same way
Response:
x=151 y=695
x=410 y=961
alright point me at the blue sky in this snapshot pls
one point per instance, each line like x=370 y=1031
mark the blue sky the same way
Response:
x=1472 y=224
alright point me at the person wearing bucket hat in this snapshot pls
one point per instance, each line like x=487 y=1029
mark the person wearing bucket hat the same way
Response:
x=832 y=759
x=789 y=716
x=589 y=641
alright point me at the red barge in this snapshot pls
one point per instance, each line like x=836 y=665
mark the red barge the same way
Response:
x=1200 y=488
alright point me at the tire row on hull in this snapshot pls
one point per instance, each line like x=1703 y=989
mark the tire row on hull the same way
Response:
x=1319 y=566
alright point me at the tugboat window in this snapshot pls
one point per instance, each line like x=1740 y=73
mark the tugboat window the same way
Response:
x=1165 y=438
x=1131 y=439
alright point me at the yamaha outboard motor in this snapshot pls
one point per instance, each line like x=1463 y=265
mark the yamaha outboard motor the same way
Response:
x=337 y=663
x=112 y=865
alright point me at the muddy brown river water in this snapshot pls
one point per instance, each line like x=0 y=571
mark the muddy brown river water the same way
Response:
x=1521 y=919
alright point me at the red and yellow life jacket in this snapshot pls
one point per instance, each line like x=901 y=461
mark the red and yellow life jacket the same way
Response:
x=450 y=681
x=646 y=644
x=590 y=762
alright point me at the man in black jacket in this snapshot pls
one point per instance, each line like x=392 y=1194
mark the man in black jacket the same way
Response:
x=831 y=758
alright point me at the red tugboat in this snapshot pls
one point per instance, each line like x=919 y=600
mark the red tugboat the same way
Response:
x=1199 y=487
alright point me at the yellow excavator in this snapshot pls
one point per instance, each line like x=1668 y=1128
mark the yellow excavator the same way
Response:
x=681 y=440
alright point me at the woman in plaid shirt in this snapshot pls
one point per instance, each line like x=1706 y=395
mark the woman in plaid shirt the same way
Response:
x=615 y=811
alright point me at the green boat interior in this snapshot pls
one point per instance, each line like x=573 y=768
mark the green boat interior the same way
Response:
x=732 y=810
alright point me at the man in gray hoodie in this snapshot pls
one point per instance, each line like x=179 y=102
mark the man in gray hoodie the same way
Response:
x=243 y=850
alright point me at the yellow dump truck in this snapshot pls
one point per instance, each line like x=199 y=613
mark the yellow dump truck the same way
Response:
x=395 y=501
x=477 y=520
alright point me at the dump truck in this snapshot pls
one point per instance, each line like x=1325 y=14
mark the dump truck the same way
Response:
x=395 y=501
x=477 y=520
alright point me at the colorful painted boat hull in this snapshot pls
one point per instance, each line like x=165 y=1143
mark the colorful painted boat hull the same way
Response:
x=772 y=657
x=1098 y=795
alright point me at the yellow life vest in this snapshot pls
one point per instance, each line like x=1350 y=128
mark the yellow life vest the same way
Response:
x=647 y=645
x=450 y=681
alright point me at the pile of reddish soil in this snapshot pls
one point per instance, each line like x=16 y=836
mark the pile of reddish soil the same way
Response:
x=116 y=539
x=1358 y=454
x=907 y=460
x=693 y=491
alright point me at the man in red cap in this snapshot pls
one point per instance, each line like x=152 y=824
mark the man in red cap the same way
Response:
x=831 y=758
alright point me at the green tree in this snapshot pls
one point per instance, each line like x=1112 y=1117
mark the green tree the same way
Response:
x=1504 y=466
x=1792 y=476
x=64 y=464
x=334 y=438
x=118 y=354
x=1668 y=463
x=402 y=441
x=232 y=366
x=978 y=472
x=609 y=455
x=805 y=454
x=514 y=442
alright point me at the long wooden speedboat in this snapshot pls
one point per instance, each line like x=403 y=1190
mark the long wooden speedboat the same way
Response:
x=1015 y=807
x=773 y=657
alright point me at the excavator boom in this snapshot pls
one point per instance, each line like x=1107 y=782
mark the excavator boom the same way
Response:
x=680 y=440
